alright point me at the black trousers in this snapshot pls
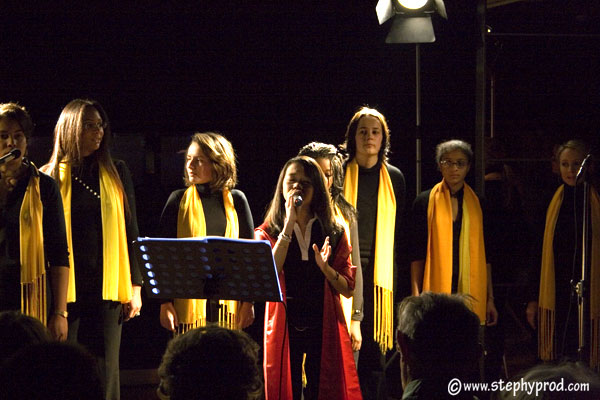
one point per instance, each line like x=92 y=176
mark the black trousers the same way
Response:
x=307 y=341
x=98 y=326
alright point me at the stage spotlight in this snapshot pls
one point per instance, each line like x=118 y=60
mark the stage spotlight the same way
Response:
x=412 y=19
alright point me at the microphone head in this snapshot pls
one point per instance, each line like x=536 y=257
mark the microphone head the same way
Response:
x=297 y=200
x=16 y=153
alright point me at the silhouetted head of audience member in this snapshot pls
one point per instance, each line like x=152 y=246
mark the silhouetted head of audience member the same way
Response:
x=18 y=330
x=437 y=337
x=51 y=370
x=211 y=363
x=568 y=380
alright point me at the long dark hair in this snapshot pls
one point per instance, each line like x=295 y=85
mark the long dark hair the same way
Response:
x=67 y=142
x=321 y=203
x=349 y=145
x=318 y=150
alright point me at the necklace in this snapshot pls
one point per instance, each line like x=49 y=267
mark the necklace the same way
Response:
x=92 y=191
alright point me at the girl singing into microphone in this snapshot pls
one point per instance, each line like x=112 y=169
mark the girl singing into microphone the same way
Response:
x=311 y=253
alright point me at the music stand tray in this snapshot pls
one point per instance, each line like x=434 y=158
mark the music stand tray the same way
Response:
x=210 y=267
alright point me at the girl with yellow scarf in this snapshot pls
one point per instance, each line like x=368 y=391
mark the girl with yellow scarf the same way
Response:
x=32 y=231
x=556 y=309
x=100 y=218
x=449 y=250
x=210 y=206
x=377 y=190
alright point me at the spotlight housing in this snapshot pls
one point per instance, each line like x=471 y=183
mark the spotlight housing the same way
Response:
x=412 y=19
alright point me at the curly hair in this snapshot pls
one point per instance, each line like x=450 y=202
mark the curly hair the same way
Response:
x=211 y=362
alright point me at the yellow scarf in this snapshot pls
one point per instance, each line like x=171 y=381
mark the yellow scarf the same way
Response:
x=472 y=275
x=383 y=264
x=31 y=236
x=116 y=283
x=191 y=223
x=546 y=306
x=345 y=301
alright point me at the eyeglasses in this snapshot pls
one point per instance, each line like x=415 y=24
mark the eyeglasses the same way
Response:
x=88 y=126
x=460 y=164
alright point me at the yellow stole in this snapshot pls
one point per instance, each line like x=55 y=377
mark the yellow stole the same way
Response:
x=345 y=301
x=116 y=283
x=383 y=264
x=472 y=275
x=546 y=305
x=31 y=236
x=191 y=223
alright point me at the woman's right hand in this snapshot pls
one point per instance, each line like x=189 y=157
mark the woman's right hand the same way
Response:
x=290 y=209
x=531 y=313
x=168 y=316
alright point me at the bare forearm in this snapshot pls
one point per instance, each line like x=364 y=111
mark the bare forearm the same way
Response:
x=337 y=281
x=59 y=281
x=417 y=269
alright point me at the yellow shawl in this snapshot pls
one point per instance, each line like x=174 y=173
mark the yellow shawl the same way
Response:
x=383 y=264
x=546 y=306
x=191 y=223
x=116 y=283
x=472 y=275
x=31 y=236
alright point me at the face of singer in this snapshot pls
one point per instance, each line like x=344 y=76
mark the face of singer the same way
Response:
x=12 y=137
x=569 y=161
x=296 y=182
x=369 y=136
x=325 y=164
x=93 y=132
x=198 y=166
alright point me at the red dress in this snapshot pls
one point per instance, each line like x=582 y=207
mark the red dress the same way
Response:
x=338 y=379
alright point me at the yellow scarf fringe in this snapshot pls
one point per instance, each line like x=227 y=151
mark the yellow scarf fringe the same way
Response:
x=33 y=266
x=472 y=276
x=383 y=264
x=191 y=223
x=547 y=300
x=116 y=283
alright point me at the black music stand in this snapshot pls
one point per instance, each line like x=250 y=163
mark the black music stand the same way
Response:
x=209 y=267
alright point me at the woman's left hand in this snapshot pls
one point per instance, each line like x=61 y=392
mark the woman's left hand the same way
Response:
x=491 y=315
x=245 y=315
x=132 y=309
x=321 y=256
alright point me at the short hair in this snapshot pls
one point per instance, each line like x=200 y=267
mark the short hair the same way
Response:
x=349 y=144
x=19 y=114
x=452 y=145
x=573 y=144
x=52 y=370
x=318 y=150
x=220 y=152
x=553 y=374
x=442 y=334
x=18 y=330
x=211 y=362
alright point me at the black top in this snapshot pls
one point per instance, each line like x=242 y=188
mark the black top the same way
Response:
x=86 y=228
x=304 y=282
x=55 y=239
x=366 y=206
x=214 y=213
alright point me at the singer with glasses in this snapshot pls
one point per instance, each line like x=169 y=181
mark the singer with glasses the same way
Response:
x=33 y=241
x=311 y=253
x=555 y=303
x=100 y=217
x=209 y=206
x=448 y=250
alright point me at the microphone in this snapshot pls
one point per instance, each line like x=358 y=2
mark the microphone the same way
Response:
x=297 y=200
x=583 y=169
x=14 y=153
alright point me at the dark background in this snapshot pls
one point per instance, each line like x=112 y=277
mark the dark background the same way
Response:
x=272 y=77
